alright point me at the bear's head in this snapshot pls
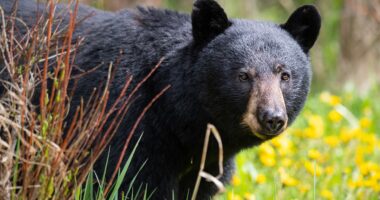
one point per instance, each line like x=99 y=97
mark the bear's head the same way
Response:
x=255 y=76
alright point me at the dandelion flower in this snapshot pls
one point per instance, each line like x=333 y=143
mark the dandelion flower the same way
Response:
x=365 y=122
x=347 y=170
x=316 y=126
x=335 y=116
x=346 y=135
x=235 y=181
x=368 y=167
x=267 y=161
x=249 y=196
x=352 y=184
x=286 y=162
x=261 y=178
x=283 y=145
x=329 y=170
x=313 y=169
x=327 y=194
x=233 y=196
x=335 y=100
x=267 y=149
x=332 y=100
x=303 y=188
x=286 y=179
x=332 y=141
x=267 y=155
x=315 y=155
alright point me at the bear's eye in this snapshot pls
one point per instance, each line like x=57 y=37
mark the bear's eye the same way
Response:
x=285 y=76
x=243 y=76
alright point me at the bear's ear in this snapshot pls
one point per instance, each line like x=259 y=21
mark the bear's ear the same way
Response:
x=208 y=21
x=304 y=25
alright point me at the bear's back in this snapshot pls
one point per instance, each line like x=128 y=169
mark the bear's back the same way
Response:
x=138 y=37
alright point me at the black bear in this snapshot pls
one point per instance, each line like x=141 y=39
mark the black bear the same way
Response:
x=248 y=78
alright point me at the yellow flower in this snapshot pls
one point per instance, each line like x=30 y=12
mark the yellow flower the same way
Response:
x=332 y=100
x=332 y=141
x=376 y=188
x=335 y=116
x=359 y=159
x=335 y=100
x=261 y=178
x=376 y=175
x=311 y=133
x=365 y=122
x=359 y=181
x=267 y=155
x=368 y=167
x=304 y=187
x=371 y=183
x=297 y=132
x=316 y=126
x=368 y=138
x=283 y=145
x=352 y=184
x=280 y=141
x=286 y=179
x=327 y=194
x=267 y=161
x=289 y=181
x=286 y=162
x=374 y=167
x=249 y=196
x=316 y=121
x=329 y=170
x=346 y=135
x=267 y=149
x=232 y=196
x=347 y=170
x=366 y=149
x=235 y=181
x=313 y=169
x=315 y=155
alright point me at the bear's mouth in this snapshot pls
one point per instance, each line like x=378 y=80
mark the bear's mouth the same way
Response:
x=251 y=125
x=265 y=137
x=259 y=135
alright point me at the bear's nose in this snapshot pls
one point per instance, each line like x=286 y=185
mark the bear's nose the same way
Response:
x=272 y=121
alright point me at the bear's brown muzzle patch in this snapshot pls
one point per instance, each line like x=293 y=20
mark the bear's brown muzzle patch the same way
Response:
x=266 y=111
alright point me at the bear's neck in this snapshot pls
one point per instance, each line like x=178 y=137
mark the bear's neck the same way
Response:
x=182 y=110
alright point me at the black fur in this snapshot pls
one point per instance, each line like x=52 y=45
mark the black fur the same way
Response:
x=304 y=25
x=205 y=87
x=208 y=21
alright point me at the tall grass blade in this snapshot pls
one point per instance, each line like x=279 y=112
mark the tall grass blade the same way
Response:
x=134 y=179
x=120 y=178
x=89 y=188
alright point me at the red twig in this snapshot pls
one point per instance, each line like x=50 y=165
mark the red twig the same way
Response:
x=46 y=63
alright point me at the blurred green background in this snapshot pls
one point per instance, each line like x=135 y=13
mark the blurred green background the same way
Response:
x=333 y=149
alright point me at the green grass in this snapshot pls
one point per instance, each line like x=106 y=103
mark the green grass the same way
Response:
x=331 y=152
x=89 y=193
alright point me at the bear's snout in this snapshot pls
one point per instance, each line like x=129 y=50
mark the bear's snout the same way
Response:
x=272 y=121
x=266 y=113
